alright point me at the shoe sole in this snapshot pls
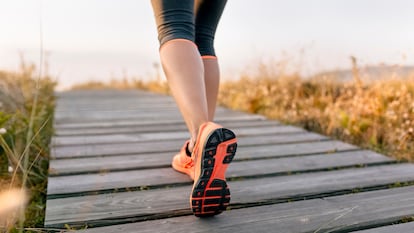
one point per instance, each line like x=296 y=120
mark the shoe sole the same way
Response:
x=211 y=195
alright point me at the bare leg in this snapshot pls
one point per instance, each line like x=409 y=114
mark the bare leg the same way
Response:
x=184 y=70
x=212 y=80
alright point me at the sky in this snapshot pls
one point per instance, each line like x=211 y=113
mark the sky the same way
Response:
x=103 y=39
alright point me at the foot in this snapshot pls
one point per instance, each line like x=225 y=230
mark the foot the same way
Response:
x=182 y=161
x=214 y=149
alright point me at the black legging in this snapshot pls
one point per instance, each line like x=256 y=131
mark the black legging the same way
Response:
x=194 y=20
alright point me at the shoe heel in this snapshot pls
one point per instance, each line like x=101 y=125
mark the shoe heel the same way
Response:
x=216 y=199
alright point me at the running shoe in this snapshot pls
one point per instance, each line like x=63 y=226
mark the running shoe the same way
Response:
x=214 y=150
x=182 y=161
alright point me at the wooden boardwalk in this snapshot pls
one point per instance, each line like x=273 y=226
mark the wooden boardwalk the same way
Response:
x=110 y=171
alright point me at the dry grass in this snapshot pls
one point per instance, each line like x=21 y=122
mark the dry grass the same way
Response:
x=378 y=115
x=125 y=84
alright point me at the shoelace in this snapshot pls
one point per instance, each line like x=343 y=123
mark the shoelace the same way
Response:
x=188 y=163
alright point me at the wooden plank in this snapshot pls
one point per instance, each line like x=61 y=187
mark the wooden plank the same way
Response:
x=148 y=160
x=77 y=123
x=167 y=176
x=136 y=123
x=172 y=145
x=143 y=203
x=74 y=116
x=160 y=127
x=398 y=228
x=136 y=108
x=155 y=136
x=85 y=104
x=143 y=113
x=124 y=108
x=116 y=107
x=109 y=94
x=123 y=104
x=343 y=213
x=105 y=117
x=130 y=103
x=91 y=116
x=154 y=125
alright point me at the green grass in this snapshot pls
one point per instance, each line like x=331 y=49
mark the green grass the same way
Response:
x=28 y=122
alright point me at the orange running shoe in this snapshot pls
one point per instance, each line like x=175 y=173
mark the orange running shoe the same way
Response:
x=182 y=161
x=214 y=149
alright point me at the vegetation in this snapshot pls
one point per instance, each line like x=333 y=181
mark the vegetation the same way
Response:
x=26 y=114
x=378 y=114
x=375 y=112
x=124 y=84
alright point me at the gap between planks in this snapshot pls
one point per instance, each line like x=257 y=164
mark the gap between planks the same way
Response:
x=147 y=202
x=330 y=214
x=78 y=184
x=158 y=160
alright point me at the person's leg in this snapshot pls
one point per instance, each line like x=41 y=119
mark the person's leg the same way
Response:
x=212 y=81
x=181 y=60
x=214 y=146
x=208 y=14
x=184 y=70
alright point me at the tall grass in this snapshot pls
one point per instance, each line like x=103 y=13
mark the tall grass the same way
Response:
x=26 y=110
x=378 y=114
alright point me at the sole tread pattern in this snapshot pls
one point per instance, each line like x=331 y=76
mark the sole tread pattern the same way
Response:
x=211 y=196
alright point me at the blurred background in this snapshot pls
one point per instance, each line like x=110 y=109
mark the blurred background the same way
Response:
x=106 y=39
x=342 y=68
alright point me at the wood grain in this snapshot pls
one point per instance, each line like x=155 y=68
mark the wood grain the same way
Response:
x=148 y=160
x=149 y=202
x=318 y=215
x=167 y=176
x=156 y=136
x=172 y=145
x=159 y=127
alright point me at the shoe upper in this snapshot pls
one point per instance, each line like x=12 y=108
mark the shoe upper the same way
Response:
x=184 y=163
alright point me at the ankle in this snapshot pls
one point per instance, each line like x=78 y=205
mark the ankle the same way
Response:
x=194 y=135
x=191 y=145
